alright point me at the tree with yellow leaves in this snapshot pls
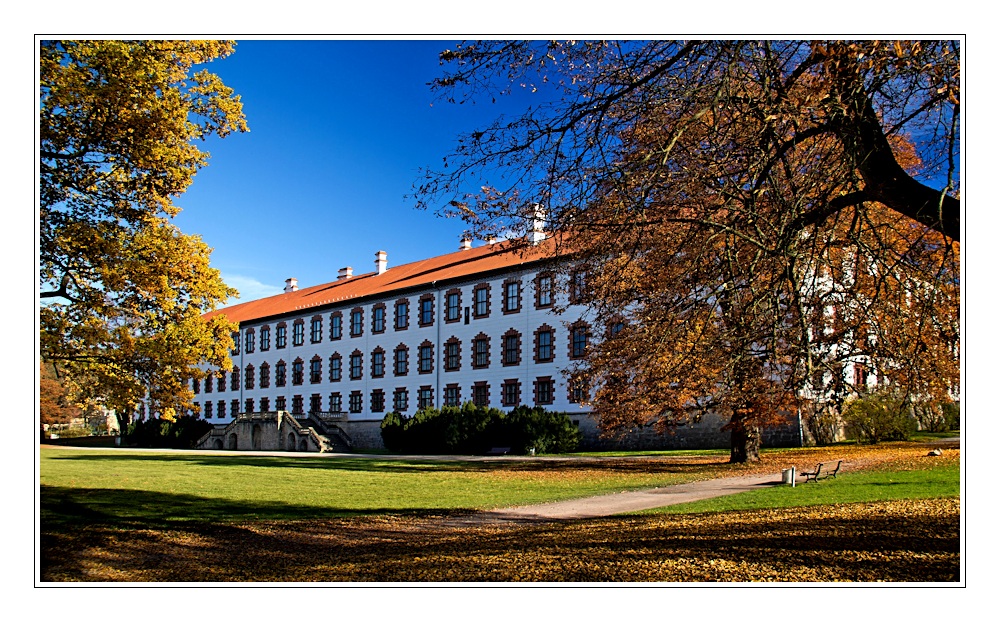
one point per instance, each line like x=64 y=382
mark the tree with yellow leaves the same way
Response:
x=122 y=289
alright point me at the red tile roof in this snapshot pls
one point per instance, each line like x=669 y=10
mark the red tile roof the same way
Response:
x=457 y=265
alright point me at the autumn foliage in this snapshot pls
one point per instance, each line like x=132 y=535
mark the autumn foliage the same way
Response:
x=756 y=219
x=122 y=289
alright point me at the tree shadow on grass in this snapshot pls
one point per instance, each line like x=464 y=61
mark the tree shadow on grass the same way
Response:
x=399 y=465
x=64 y=507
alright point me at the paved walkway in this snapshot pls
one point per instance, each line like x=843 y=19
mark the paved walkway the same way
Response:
x=617 y=503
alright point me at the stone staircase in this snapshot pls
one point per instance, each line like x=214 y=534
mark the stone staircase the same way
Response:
x=279 y=431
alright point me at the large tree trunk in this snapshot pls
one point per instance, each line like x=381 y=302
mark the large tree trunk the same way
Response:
x=744 y=441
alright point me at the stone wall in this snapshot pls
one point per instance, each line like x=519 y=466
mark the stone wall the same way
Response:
x=703 y=434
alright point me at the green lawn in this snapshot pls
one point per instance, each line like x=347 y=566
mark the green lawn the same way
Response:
x=932 y=480
x=110 y=486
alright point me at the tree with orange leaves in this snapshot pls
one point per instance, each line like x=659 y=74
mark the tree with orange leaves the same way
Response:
x=759 y=216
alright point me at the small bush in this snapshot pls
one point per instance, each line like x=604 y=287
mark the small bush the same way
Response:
x=474 y=429
x=882 y=416
x=159 y=433
x=937 y=416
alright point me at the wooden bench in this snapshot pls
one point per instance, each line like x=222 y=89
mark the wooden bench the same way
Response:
x=823 y=471
x=498 y=451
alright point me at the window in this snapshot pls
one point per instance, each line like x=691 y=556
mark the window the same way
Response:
x=426 y=358
x=208 y=410
x=248 y=339
x=297 y=404
x=579 y=392
x=544 y=350
x=579 y=336
x=402 y=314
x=315 y=370
x=221 y=407
x=378 y=363
x=248 y=405
x=335 y=367
x=356 y=365
x=453 y=305
x=452 y=395
x=616 y=327
x=336 y=326
x=315 y=403
x=208 y=384
x=480 y=351
x=543 y=290
x=378 y=318
x=481 y=394
x=357 y=322
x=265 y=375
x=452 y=354
x=234 y=379
x=316 y=330
x=298 y=367
x=234 y=407
x=511 y=296
x=236 y=344
x=378 y=401
x=279 y=403
x=265 y=339
x=298 y=332
x=280 y=336
x=511 y=393
x=425 y=397
x=544 y=390
x=221 y=382
x=248 y=377
x=426 y=310
x=279 y=374
x=400 y=400
x=481 y=301
x=511 y=348
x=355 y=402
x=196 y=385
x=265 y=404
x=335 y=403
x=400 y=358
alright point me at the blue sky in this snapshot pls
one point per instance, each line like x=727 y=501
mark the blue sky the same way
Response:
x=339 y=131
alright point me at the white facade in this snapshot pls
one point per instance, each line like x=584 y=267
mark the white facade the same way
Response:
x=494 y=374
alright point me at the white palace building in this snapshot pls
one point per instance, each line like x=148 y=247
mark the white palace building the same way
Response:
x=479 y=324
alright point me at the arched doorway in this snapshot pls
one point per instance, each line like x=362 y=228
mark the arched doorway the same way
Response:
x=232 y=441
x=290 y=446
x=217 y=444
x=255 y=436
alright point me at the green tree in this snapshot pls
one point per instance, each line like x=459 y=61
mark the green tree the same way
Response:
x=755 y=214
x=122 y=289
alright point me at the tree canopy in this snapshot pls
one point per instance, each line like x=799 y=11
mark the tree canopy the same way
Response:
x=122 y=289
x=755 y=214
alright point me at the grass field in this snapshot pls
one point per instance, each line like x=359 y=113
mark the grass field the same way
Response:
x=146 y=516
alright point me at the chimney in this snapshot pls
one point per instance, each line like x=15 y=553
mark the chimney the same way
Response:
x=381 y=263
x=291 y=285
x=491 y=240
x=465 y=244
x=345 y=273
x=537 y=233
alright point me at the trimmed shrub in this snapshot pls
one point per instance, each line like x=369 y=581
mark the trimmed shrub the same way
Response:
x=881 y=416
x=160 y=433
x=472 y=429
